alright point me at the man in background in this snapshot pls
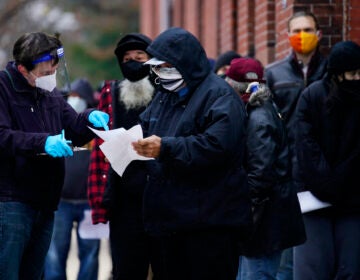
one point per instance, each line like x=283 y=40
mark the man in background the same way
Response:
x=74 y=203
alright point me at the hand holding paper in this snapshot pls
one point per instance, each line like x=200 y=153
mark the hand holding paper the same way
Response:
x=148 y=147
x=117 y=146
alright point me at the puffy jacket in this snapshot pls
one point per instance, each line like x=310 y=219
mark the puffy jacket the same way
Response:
x=328 y=145
x=198 y=180
x=286 y=81
x=279 y=223
x=28 y=115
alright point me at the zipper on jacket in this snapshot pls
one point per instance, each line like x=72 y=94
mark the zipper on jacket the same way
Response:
x=37 y=98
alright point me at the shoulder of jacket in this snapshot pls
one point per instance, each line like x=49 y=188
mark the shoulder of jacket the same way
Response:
x=316 y=90
x=278 y=63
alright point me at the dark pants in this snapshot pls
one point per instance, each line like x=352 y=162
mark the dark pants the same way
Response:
x=196 y=255
x=332 y=248
x=129 y=244
x=25 y=235
x=88 y=249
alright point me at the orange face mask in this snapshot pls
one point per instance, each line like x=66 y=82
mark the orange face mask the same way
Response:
x=304 y=42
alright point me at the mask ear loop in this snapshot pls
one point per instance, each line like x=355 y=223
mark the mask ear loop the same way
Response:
x=157 y=81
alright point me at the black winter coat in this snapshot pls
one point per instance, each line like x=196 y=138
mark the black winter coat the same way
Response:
x=198 y=181
x=124 y=194
x=278 y=219
x=286 y=81
x=28 y=115
x=328 y=144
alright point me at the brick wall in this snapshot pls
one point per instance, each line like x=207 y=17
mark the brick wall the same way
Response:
x=245 y=27
x=352 y=22
x=250 y=27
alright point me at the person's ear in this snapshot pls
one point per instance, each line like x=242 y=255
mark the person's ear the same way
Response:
x=22 y=69
x=319 y=34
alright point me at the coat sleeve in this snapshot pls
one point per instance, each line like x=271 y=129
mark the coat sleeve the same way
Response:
x=262 y=151
x=327 y=182
x=16 y=141
x=218 y=142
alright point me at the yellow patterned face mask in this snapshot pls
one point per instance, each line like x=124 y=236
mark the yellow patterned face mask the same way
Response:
x=304 y=42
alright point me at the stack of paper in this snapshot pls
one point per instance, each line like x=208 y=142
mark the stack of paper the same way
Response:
x=117 y=146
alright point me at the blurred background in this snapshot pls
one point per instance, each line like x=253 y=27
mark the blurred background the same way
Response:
x=89 y=31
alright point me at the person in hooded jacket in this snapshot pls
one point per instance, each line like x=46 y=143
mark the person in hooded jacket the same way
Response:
x=121 y=199
x=328 y=149
x=74 y=203
x=276 y=211
x=36 y=125
x=196 y=201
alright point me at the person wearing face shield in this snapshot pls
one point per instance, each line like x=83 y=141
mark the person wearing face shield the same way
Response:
x=37 y=127
x=328 y=148
x=119 y=199
x=197 y=208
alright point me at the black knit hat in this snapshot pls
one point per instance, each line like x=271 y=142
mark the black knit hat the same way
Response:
x=132 y=41
x=225 y=59
x=343 y=57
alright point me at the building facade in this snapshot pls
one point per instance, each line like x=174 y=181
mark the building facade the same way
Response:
x=255 y=28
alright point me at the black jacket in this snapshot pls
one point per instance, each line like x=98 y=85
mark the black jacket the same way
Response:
x=278 y=219
x=198 y=181
x=328 y=145
x=28 y=115
x=124 y=194
x=286 y=81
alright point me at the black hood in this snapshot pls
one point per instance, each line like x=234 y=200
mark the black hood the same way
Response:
x=184 y=51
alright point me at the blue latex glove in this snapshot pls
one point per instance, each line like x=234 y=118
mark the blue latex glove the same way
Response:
x=57 y=146
x=99 y=119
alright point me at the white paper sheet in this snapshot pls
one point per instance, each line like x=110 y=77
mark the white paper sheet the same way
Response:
x=117 y=146
x=308 y=202
x=87 y=230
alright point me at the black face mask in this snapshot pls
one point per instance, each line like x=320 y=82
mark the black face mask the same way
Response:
x=350 y=89
x=134 y=70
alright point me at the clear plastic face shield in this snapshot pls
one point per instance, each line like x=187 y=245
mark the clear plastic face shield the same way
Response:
x=57 y=75
x=62 y=76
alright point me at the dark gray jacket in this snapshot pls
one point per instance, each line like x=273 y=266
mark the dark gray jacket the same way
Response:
x=286 y=81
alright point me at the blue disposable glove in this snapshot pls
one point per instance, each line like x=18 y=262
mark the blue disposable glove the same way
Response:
x=57 y=146
x=99 y=119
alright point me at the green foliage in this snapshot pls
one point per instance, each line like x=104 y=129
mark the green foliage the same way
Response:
x=90 y=54
x=82 y=64
x=94 y=59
